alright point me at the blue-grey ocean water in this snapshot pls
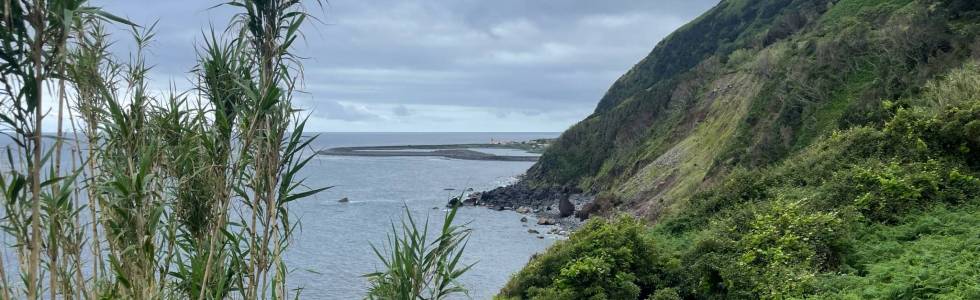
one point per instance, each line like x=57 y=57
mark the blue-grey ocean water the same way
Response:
x=333 y=249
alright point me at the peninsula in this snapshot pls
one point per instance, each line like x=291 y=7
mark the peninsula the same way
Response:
x=454 y=151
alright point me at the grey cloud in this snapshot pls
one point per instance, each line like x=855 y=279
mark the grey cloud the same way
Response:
x=333 y=110
x=401 y=111
x=553 y=56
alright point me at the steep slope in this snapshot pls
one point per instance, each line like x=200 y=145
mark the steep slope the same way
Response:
x=833 y=154
x=748 y=84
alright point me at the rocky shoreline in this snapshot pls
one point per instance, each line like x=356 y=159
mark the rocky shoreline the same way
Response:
x=564 y=208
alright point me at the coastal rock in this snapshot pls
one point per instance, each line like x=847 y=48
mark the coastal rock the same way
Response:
x=343 y=200
x=523 y=210
x=546 y=221
x=565 y=207
x=532 y=231
x=454 y=202
x=523 y=219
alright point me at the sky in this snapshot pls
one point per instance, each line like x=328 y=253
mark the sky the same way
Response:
x=438 y=65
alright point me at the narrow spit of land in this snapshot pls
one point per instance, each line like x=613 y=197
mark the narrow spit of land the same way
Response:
x=455 y=151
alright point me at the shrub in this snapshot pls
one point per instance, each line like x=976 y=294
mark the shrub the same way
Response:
x=785 y=246
x=666 y=294
x=884 y=192
x=605 y=259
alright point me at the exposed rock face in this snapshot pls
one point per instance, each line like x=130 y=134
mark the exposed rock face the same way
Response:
x=565 y=207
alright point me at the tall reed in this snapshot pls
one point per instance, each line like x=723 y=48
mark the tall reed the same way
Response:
x=154 y=179
x=419 y=265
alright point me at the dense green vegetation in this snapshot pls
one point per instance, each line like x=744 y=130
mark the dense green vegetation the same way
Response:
x=137 y=194
x=866 y=213
x=749 y=84
x=783 y=149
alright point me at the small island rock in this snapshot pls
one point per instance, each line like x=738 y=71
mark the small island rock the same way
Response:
x=546 y=221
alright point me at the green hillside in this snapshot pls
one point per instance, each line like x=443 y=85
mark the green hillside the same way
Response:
x=748 y=84
x=782 y=149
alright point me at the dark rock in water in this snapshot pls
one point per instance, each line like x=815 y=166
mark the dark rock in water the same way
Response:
x=448 y=189
x=499 y=208
x=540 y=237
x=343 y=200
x=469 y=189
x=523 y=219
x=546 y=221
x=534 y=198
x=532 y=231
x=435 y=207
x=471 y=200
x=565 y=207
x=454 y=202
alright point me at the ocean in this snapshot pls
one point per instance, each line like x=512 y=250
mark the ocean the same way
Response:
x=333 y=248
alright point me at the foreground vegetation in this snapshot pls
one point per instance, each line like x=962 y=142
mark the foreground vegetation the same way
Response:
x=890 y=212
x=140 y=194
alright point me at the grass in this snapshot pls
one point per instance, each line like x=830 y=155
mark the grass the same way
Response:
x=419 y=265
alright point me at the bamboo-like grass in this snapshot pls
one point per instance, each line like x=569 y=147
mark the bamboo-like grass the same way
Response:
x=181 y=195
x=419 y=264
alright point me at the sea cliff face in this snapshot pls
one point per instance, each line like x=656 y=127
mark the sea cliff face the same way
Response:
x=746 y=85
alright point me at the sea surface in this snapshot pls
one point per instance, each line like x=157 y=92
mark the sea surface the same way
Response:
x=333 y=249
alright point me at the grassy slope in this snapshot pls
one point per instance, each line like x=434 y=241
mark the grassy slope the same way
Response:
x=866 y=213
x=839 y=162
x=801 y=68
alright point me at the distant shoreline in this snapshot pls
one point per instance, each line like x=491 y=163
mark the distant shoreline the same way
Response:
x=454 y=151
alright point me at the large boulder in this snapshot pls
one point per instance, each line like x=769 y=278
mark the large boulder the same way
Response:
x=565 y=207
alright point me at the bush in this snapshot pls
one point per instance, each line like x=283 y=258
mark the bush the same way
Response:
x=884 y=192
x=666 y=294
x=785 y=246
x=605 y=259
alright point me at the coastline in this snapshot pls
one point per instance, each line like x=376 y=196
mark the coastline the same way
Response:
x=454 y=151
x=542 y=204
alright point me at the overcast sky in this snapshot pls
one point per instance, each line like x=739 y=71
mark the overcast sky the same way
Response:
x=442 y=65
